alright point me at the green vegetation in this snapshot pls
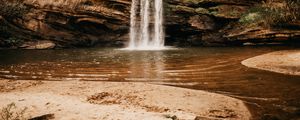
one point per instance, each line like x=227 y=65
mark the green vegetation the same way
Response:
x=271 y=13
x=10 y=112
x=193 y=1
x=13 y=41
x=181 y=8
x=202 y=11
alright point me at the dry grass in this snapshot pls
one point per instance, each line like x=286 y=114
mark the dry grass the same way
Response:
x=11 y=112
x=287 y=10
x=273 y=13
x=10 y=85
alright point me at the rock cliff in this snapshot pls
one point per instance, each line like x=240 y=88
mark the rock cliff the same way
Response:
x=70 y=23
x=229 y=22
x=84 y=23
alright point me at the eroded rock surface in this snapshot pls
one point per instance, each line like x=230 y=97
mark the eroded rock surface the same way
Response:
x=68 y=24
x=85 y=23
x=218 y=22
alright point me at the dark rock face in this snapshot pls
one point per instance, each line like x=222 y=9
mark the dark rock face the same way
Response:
x=202 y=22
x=217 y=23
x=74 y=24
x=84 y=23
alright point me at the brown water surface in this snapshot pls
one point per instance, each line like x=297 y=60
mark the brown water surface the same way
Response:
x=268 y=95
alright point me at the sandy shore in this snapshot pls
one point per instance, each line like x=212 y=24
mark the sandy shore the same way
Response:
x=286 y=62
x=82 y=100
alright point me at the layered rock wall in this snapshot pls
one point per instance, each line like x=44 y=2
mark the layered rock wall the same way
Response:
x=84 y=23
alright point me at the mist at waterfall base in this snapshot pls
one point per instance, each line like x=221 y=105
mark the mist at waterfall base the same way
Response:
x=143 y=36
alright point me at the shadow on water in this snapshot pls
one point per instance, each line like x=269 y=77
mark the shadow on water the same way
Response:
x=268 y=95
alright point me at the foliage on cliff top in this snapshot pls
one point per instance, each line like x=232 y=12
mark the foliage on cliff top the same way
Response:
x=12 y=8
x=273 y=13
x=72 y=4
x=100 y=6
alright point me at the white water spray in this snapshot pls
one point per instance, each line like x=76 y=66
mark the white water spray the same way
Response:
x=141 y=29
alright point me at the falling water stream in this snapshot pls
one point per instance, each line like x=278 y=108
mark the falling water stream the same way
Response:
x=143 y=36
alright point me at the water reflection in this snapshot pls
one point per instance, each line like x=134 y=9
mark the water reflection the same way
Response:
x=146 y=66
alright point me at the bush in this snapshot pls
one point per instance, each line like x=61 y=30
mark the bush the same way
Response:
x=10 y=112
x=253 y=15
x=12 y=8
x=272 y=13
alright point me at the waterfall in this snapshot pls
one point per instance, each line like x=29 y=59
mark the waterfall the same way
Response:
x=144 y=34
x=158 y=25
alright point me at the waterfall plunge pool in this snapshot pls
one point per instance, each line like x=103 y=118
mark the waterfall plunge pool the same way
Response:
x=268 y=95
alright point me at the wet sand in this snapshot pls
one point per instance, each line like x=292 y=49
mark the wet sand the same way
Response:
x=286 y=62
x=69 y=100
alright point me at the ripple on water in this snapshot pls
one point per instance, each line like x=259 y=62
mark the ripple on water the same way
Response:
x=212 y=69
